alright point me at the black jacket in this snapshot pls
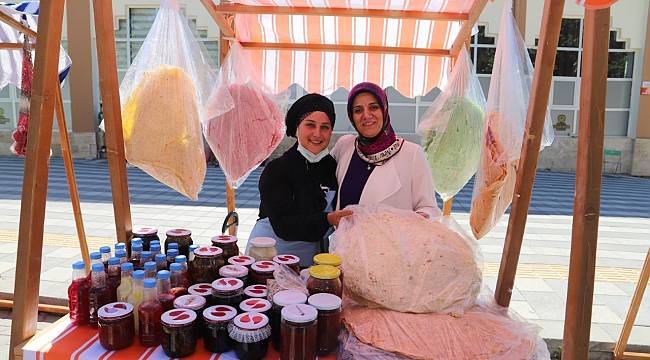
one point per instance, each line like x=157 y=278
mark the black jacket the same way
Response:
x=291 y=195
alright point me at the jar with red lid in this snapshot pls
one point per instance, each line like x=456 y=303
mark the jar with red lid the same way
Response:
x=280 y=300
x=256 y=292
x=329 y=321
x=216 y=319
x=250 y=333
x=206 y=264
x=262 y=271
x=196 y=303
x=292 y=261
x=256 y=305
x=202 y=289
x=182 y=237
x=228 y=243
x=147 y=234
x=227 y=291
x=243 y=260
x=234 y=271
x=116 y=325
x=324 y=279
x=299 y=332
x=178 y=332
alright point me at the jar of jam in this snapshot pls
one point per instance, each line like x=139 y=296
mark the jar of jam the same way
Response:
x=299 y=332
x=280 y=300
x=182 y=237
x=243 y=260
x=324 y=279
x=329 y=321
x=250 y=333
x=235 y=271
x=196 y=303
x=178 y=332
x=262 y=248
x=256 y=305
x=206 y=264
x=202 y=289
x=292 y=261
x=147 y=234
x=256 y=292
x=228 y=243
x=216 y=320
x=227 y=291
x=262 y=271
x=116 y=325
x=329 y=259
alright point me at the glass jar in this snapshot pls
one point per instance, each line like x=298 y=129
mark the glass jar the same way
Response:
x=196 y=303
x=178 y=332
x=262 y=271
x=227 y=291
x=299 y=332
x=250 y=333
x=228 y=243
x=206 y=264
x=202 y=289
x=180 y=236
x=262 y=248
x=116 y=326
x=256 y=292
x=324 y=279
x=256 y=305
x=329 y=321
x=216 y=320
x=292 y=261
x=147 y=234
x=331 y=260
x=234 y=271
x=243 y=260
x=280 y=300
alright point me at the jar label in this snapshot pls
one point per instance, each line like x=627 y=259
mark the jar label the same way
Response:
x=219 y=313
x=227 y=284
x=255 y=305
x=200 y=289
x=176 y=317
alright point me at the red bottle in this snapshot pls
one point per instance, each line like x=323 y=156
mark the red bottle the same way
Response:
x=114 y=277
x=78 y=295
x=98 y=295
x=149 y=315
x=165 y=297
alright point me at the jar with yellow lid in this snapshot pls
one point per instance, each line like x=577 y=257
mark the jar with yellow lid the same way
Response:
x=331 y=260
x=324 y=279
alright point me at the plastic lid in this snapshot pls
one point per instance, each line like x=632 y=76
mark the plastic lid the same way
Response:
x=136 y=240
x=138 y=274
x=223 y=239
x=235 y=271
x=95 y=255
x=227 y=284
x=146 y=254
x=149 y=283
x=154 y=247
x=263 y=242
x=127 y=266
x=324 y=301
x=105 y=249
x=219 y=313
x=192 y=302
x=78 y=265
x=180 y=259
x=289 y=297
x=324 y=272
x=113 y=261
x=178 y=232
x=299 y=313
x=115 y=310
x=154 y=242
x=172 y=252
x=136 y=246
x=145 y=230
x=194 y=247
x=178 y=317
x=119 y=246
x=327 y=259
x=161 y=257
x=244 y=260
x=172 y=246
x=163 y=275
x=203 y=289
x=251 y=321
x=255 y=305
x=97 y=267
x=150 y=265
x=265 y=266
x=256 y=291
x=208 y=251
x=120 y=253
x=286 y=259
x=175 y=267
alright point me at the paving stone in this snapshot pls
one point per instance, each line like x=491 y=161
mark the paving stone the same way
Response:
x=603 y=314
x=537 y=285
x=547 y=305
x=59 y=274
x=606 y=288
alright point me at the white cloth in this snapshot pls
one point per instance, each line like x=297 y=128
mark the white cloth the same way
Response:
x=403 y=182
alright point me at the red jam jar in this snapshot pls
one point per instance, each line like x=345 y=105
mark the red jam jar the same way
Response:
x=292 y=261
x=280 y=300
x=228 y=243
x=256 y=292
x=234 y=271
x=227 y=291
x=243 y=260
x=195 y=303
x=178 y=332
x=329 y=321
x=262 y=271
x=216 y=319
x=206 y=264
x=299 y=332
x=250 y=333
x=256 y=305
x=116 y=325
x=324 y=279
x=202 y=289
x=147 y=234
x=182 y=237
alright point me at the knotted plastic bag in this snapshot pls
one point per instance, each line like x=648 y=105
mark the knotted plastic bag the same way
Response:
x=162 y=96
x=452 y=128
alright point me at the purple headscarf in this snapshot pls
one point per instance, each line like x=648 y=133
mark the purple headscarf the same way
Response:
x=386 y=136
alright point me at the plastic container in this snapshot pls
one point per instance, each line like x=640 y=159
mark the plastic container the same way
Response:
x=149 y=270
x=280 y=300
x=262 y=248
x=250 y=333
x=165 y=297
x=206 y=264
x=299 y=332
x=114 y=277
x=105 y=251
x=243 y=260
x=116 y=326
x=329 y=321
x=147 y=234
x=145 y=257
x=78 y=295
x=161 y=262
x=234 y=271
x=292 y=261
x=98 y=294
x=216 y=320
x=227 y=243
x=126 y=282
x=136 y=255
x=171 y=255
x=256 y=292
x=256 y=305
x=95 y=258
x=179 y=280
x=155 y=250
x=192 y=248
x=227 y=291
x=324 y=279
x=149 y=314
x=182 y=237
x=136 y=296
x=119 y=246
x=121 y=254
x=262 y=271
x=178 y=332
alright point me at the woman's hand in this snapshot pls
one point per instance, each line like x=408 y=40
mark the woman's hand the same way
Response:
x=335 y=216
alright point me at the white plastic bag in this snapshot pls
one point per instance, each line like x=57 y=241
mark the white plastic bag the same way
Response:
x=452 y=129
x=245 y=121
x=162 y=95
x=507 y=107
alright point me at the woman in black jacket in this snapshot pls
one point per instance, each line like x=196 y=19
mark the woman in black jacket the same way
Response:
x=297 y=190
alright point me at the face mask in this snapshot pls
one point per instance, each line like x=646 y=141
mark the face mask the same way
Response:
x=311 y=157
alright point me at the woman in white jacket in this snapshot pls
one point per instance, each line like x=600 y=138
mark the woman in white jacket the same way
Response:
x=376 y=166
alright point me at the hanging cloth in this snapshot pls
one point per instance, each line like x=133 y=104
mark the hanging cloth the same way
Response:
x=20 y=134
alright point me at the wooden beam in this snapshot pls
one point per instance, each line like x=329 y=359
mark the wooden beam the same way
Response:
x=586 y=205
x=519 y=11
x=34 y=193
x=346 y=48
x=11 y=46
x=628 y=355
x=229 y=8
x=109 y=89
x=446 y=207
x=537 y=106
x=466 y=30
x=48 y=308
x=220 y=19
x=9 y=20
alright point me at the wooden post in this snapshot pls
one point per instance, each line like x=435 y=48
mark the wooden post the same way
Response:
x=519 y=11
x=586 y=205
x=110 y=95
x=549 y=35
x=34 y=194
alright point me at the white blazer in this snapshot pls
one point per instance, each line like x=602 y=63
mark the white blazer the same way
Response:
x=403 y=182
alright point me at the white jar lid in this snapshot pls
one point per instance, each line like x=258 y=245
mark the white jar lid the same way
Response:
x=178 y=232
x=145 y=230
x=255 y=305
x=208 y=251
x=219 y=313
x=203 y=289
x=223 y=239
x=192 y=302
x=178 y=317
x=263 y=242
x=251 y=321
x=325 y=301
x=256 y=291
x=227 y=284
x=299 y=313
x=265 y=266
x=286 y=259
x=235 y=271
x=244 y=260
x=115 y=310
x=289 y=297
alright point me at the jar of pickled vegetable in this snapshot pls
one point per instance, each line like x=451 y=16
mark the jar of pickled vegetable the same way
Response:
x=228 y=243
x=206 y=264
x=262 y=248
x=182 y=237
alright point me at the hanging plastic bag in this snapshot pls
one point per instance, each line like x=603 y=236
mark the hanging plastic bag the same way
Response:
x=507 y=107
x=245 y=121
x=452 y=128
x=162 y=97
